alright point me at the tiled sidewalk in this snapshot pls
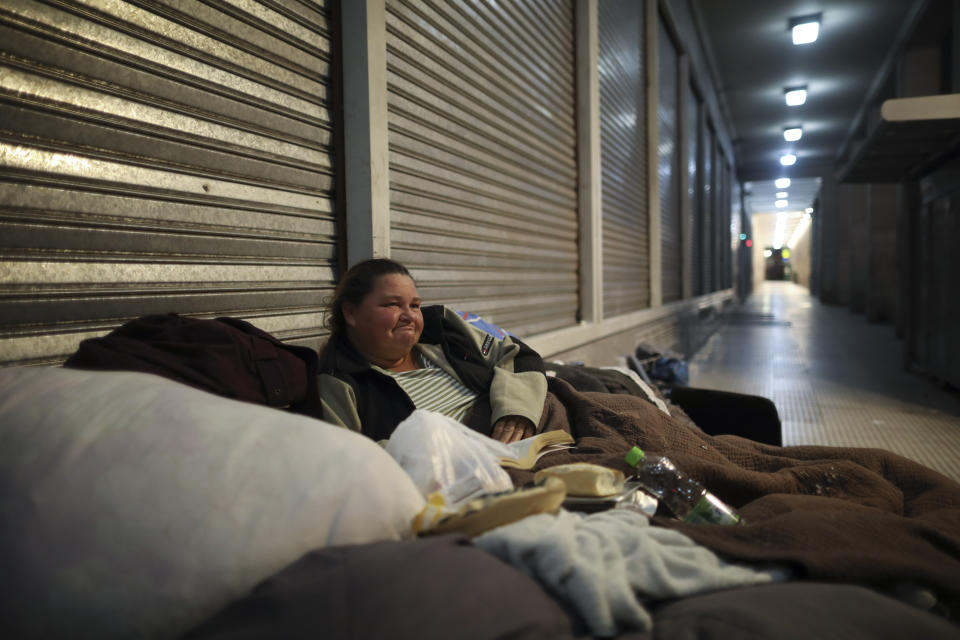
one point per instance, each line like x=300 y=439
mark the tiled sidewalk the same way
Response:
x=835 y=378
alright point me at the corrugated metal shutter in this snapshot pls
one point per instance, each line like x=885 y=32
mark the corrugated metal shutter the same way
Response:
x=694 y=191
x=481 y=116
x=623 y=151
x=709 y=206
x=668 y=169
x=726 y=203
x=719 y=218
x=736 y=228
x=162 y=157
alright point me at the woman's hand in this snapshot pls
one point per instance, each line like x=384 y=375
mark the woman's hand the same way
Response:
x=512 y=428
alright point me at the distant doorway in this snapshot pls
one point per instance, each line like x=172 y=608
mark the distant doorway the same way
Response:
x=777 y=264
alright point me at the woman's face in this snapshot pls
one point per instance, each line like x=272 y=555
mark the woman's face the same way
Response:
x=386 y=325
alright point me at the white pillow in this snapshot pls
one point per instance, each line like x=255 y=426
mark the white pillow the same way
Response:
x=132 y=506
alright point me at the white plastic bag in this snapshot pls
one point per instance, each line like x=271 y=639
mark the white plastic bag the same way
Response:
x=445 y=456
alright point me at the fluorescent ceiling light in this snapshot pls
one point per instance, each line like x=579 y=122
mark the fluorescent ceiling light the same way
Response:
x=792 y=134
x=782 y=183
x=781 y=194
x=780 y=204
x=805 y=29
x=795 y=96
x=788 y=159
x=809 y=210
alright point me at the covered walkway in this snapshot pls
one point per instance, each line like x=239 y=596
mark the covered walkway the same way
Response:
x=836 y=379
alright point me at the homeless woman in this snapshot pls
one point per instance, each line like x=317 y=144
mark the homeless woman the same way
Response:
x=387 y=355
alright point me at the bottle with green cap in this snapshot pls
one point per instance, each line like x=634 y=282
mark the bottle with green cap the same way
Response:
x=683 y=496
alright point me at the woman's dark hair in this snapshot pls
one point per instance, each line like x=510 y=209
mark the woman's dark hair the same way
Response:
x=354 y=286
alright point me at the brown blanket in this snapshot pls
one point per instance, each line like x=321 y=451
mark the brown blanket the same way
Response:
x=833 y=513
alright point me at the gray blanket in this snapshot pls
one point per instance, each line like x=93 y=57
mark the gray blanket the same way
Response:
x=604 y=564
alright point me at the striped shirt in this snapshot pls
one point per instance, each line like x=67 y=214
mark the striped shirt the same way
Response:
x=433 y=389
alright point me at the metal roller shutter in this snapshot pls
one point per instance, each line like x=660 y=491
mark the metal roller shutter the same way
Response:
x=483 y=169
x=694 y=191
x=726 y=264
x=668 y=168
x=736 y=228
x=162 y=156
x=709 y=204
x=723 y=232
x=716 y=229
x=623 y=150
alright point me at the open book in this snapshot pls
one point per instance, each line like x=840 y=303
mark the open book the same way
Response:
x=526 y=452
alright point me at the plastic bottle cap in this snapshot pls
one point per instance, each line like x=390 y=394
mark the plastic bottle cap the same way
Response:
x=634 y=456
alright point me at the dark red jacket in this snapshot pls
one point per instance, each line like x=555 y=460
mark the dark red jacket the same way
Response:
x=226 y=356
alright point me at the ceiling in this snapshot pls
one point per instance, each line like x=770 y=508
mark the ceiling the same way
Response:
x=754 y=59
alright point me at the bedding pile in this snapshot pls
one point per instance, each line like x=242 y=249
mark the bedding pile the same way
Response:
x=599 y=564
x=839 y=514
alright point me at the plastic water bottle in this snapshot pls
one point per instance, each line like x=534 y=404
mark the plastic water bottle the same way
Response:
x=683 y=496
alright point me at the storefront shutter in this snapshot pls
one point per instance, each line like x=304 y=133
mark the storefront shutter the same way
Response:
x=668 y=169
x=623 y=149
x=717 y=217
x=726 y=263
x=483 y=169
x=163 y=156
x=695 y=191
x=709 y=206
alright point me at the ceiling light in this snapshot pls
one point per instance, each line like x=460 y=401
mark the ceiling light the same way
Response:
x=780 y=204
x=788 y=159
x=792 y=134
x=805 y=29
x=809 y=210
x=782 y=194
x=795 y=96
x=782 y=183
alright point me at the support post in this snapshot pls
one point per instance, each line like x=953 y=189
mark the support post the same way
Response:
x=366 y=155
x=588 y=162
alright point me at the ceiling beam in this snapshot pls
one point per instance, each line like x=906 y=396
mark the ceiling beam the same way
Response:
x=893 y=53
